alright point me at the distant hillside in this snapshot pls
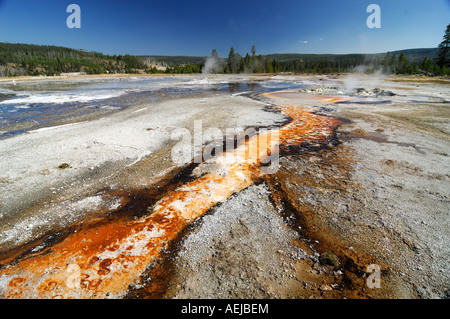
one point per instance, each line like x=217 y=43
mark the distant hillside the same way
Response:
x=283 y=57
x=27 y=59
x=416 y=55
x=413 y=55
x=172 y=61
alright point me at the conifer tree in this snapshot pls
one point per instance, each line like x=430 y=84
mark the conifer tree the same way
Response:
x=234 y=61
x=443 y=59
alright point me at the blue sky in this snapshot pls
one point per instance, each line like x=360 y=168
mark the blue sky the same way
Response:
x=194 y=27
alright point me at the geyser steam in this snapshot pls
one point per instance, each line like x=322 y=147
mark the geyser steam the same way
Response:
x=212 y=64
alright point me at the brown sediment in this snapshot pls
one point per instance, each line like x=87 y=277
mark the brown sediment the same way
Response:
x=311 y=222
x=134 y=204
x=376 y=136
x=108 y=256
x=129 y=246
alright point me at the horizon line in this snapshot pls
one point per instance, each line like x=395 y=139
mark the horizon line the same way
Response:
x=198 y=56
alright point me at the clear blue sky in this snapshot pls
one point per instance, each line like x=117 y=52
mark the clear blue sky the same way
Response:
x=194 y=27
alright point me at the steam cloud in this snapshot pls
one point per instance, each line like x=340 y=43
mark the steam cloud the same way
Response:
x=212 y=65
x=363 y=76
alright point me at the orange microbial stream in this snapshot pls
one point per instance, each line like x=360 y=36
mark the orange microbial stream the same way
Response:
x=107 y=258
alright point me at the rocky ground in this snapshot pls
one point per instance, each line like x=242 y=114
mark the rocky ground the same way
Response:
x=380 y=197
x=377 y=195
x=53 y=177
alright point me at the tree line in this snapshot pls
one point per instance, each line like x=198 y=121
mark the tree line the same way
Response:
x=389 y=63
x=18 y=59
x=27 y=59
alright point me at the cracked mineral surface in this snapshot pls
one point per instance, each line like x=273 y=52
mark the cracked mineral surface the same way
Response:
x=95 y=207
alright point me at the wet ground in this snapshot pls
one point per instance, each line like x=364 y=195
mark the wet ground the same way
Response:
x=361 y=181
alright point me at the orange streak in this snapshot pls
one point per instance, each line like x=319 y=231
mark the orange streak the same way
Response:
x=104 y=260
